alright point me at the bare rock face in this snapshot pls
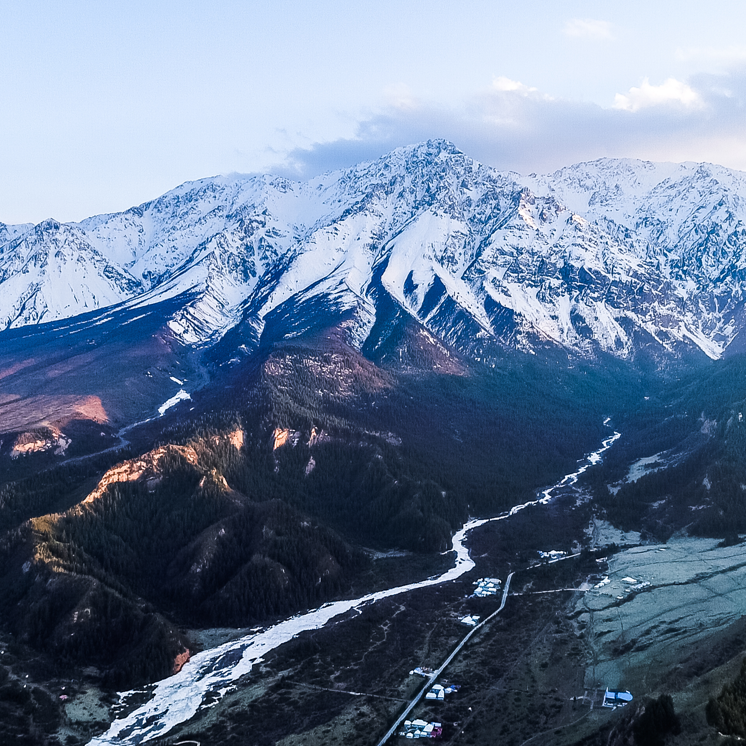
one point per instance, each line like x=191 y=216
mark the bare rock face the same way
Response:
x=214 y=479
x=237 y=439
x=40 y=439
x=142 y=469
x=318 y=437
x=181 y=659
x=284 y=436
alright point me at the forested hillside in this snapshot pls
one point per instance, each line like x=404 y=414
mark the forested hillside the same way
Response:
x=257 y=503
x=680 y=462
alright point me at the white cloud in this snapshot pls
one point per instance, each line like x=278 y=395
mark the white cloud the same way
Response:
x=513 y=127
x=671 y=91
x=587 y=28
x=400 y=96
x=720 y=58
x=507 y=85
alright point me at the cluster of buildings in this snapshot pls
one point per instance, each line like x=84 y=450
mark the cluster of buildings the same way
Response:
x=635 y=585
x=486 y=587
x=552 y=554
x=438 y=692
x=421 y=729
x=632 y=585
x=422 y=671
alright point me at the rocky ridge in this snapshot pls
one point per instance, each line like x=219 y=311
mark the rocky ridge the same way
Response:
x=615 y=256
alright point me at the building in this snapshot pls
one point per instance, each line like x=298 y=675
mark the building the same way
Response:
x=614 y=699
x=470 y=621
x=421 y=729
x=487 y=587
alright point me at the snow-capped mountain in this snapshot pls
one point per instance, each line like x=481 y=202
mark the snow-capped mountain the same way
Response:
x=51 y=272
x=612 y=256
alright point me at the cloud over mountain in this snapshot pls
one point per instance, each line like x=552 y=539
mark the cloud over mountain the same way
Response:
x=513 y=125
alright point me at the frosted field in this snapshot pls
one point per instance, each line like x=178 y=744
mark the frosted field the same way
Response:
x=695 y=588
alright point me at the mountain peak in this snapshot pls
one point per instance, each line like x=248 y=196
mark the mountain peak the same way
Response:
x=652 y=256
x=423 y=152
x=50 y=224
x=436 y=147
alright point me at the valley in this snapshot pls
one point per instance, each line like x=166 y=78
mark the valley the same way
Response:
x=210 y=674
x=253 y=464
x=529 y=675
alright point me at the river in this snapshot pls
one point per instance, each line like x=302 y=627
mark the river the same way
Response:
x=212 y=672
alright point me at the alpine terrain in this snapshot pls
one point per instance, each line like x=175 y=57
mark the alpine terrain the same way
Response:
x=254 y=396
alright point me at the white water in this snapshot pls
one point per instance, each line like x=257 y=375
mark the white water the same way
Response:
x=178 y=698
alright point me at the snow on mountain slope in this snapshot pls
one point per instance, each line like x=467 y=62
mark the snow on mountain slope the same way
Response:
x=156 y=238
x=690 y=215
x=607 y=188
x=10 y=232
x=602 y=256
x=52 y=272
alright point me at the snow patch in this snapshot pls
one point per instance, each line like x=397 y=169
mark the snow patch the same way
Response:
x=180 y=395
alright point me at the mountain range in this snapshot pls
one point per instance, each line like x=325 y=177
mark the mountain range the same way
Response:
x=618 y=257
x=253 y=395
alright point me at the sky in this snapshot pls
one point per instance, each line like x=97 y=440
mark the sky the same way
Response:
x=104 y=105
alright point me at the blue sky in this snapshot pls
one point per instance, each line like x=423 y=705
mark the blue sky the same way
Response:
x=105 y=105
